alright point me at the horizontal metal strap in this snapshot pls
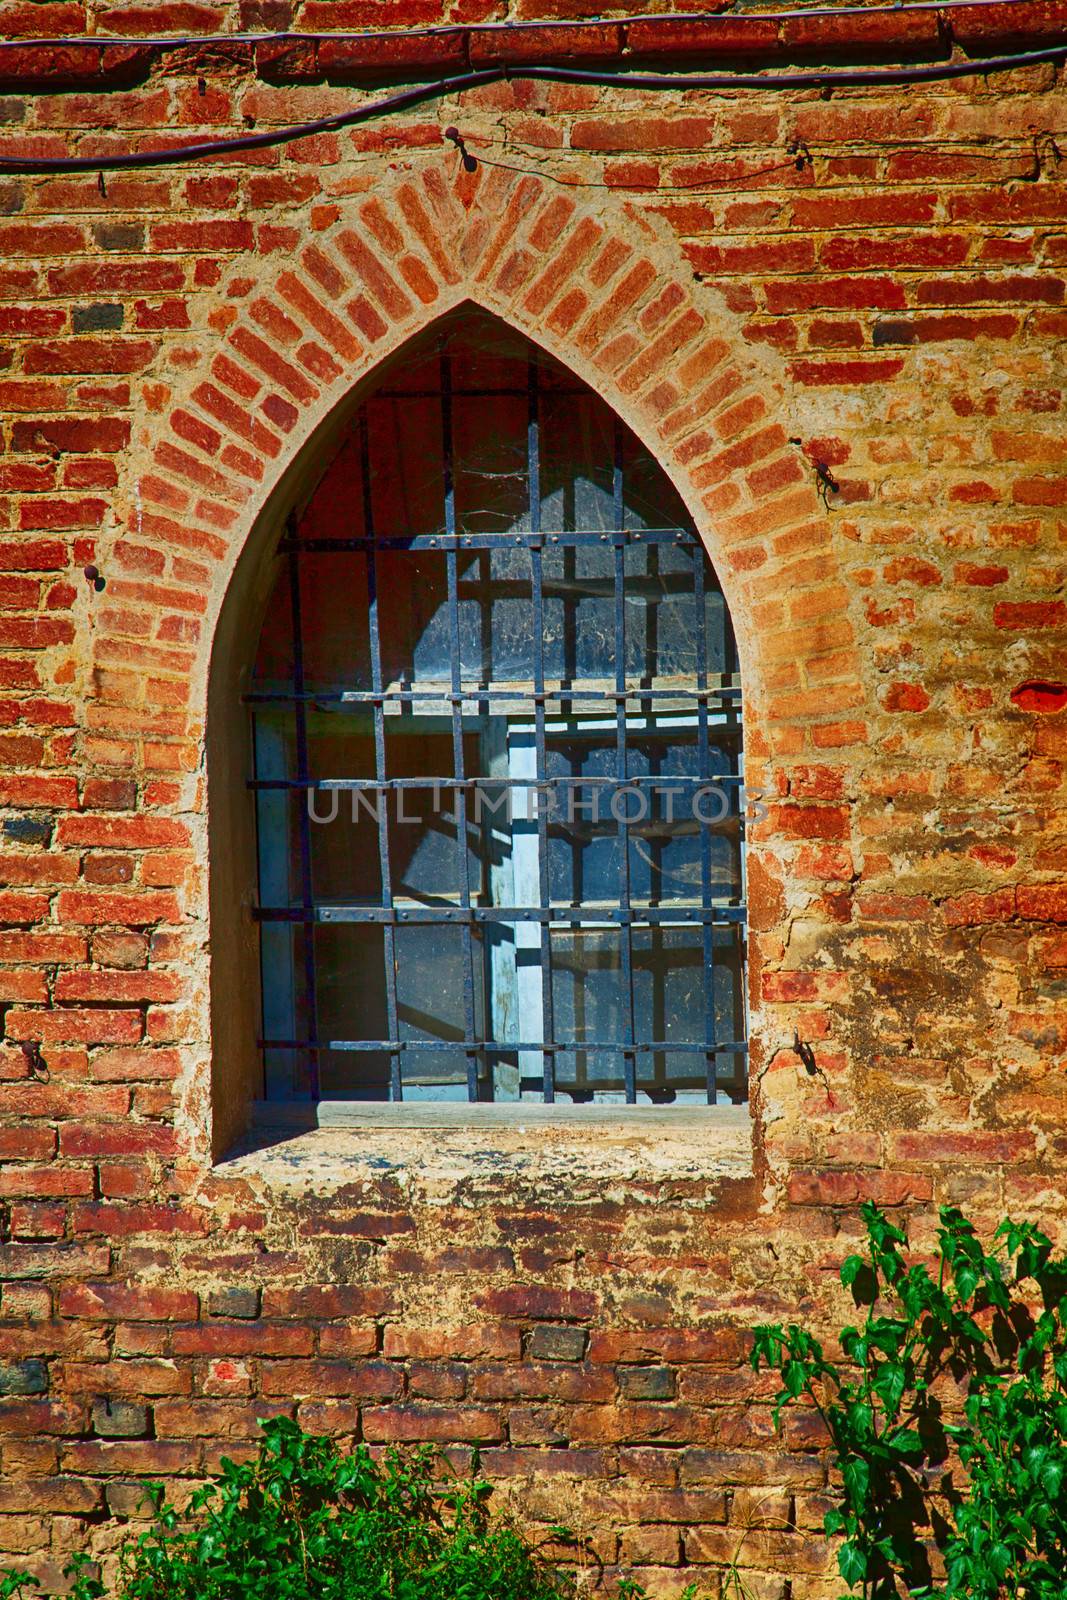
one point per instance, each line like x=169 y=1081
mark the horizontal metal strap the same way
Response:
x=498 y=1047
x=663 y=780
x=477 y=694
x=636 y=915
x=545 y=538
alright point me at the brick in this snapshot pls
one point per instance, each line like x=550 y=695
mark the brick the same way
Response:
x=361 y=1380
x=236 y=1301
x=432 y=1424
x=891 y=35
x=319 y=316
x=23 y=1377
x=89 y=355
x=934 y=329
x=1025 y=614
x=547 y=1343
x=944 y=1144
x=823 y=293
x=75 y=1026
x=26 y=1144
x=538 y=1303
x=87 y=512
x=647 y=1383
x=104 y=1139
x=133 y=910
x=643 y=133
x=325 y=1300
x=114 y=1220
x=1011 y=25
x=770 y=256
x=905 y=697
x=261 y=355
x=499 y=1341
x=217 y=1419
x=676 y=38
x=1042 y=903
x=130 y=1455
x=222 y=233
x=348 y=1341
x=242 y=1339
x=40 y=239
x=835 y=1188
x=62 y=1495
x=120 y=1419
x=1037 y=695
x=107 y=1302
x=724 y=1344
x=549 y=1379
x=44 y=1181
x=830 y=373
x=52 y=1261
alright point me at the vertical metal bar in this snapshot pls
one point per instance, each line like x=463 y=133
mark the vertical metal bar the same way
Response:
x=533 y=466
x=738 y=933
x=703 y=769
x=626 y=937
x=396 y=1087
x=474 y=1052
x=304 y=826
x=272 y=739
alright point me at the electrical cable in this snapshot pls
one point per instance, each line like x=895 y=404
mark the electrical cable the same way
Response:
x=460 y=82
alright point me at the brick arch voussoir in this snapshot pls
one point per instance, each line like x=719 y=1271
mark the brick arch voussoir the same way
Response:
x=600 y=287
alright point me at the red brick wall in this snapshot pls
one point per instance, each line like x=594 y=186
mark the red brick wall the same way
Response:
x=889 y=292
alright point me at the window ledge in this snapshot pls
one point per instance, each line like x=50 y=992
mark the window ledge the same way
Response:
x=471 y=1152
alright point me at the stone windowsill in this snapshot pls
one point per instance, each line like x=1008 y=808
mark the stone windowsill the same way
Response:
x=445 y=1149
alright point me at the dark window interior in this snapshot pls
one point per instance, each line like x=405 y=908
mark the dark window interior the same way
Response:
x=497 y=755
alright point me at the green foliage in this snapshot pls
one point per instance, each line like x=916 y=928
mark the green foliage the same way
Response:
x=994 y=1329
x=14 y=1585
x=303 y=1521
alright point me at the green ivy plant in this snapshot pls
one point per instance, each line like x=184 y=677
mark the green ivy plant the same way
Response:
x=948 y=1417
x=306 y=1521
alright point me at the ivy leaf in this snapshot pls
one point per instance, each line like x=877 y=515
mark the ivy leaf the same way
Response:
x=794 y=1375
x=1000 y=1558
x=906 y=1441
x=889 y=1385
x=857 y=1476
x=851 y=1268
x=966 y=1279
x=852 y=1564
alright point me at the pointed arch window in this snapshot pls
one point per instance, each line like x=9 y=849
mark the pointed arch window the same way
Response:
x=497 y=756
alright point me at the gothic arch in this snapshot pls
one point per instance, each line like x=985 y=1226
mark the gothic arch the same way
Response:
x=285 y=356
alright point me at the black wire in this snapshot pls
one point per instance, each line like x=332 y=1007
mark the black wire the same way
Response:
x=851 y=76
x=257 y=141
x=796 y=80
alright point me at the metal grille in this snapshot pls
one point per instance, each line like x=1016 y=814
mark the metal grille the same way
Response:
x=568 y=954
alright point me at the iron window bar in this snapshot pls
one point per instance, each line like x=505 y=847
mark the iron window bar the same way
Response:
x=458 y=753
x=306 y=884
x=384 y=864
x=489 y=695
x=566 y=539
x=507 y=1047
x=388 y=784
x=652 y=916
x=533 y=468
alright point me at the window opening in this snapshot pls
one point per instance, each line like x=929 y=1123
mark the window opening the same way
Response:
x=497 y=757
